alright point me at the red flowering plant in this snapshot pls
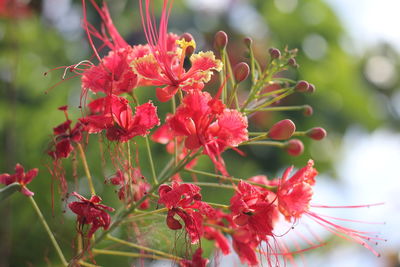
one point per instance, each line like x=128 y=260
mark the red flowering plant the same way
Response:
x=200 y=122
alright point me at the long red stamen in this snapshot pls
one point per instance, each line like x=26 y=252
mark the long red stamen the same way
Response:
x=158 y=40
x=349 y=220
x=350 y=207
x=87 y=30
x=346 y=233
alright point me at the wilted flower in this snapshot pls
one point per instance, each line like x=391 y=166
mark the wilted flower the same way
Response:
x=21 y=177
x=90 y=212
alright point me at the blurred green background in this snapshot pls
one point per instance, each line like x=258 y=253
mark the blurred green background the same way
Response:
x=357 y=102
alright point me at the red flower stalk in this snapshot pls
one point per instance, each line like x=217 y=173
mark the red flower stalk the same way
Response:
x=165 y=65
x=21 y=177
x=205 y=122
x=90 y=212
x=119 y=122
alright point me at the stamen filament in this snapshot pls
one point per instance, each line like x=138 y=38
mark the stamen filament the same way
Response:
x=127 y=254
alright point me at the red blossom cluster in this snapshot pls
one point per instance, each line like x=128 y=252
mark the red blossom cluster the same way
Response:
x=200 y=123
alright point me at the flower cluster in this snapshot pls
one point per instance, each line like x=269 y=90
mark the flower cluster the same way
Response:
x=202 y=121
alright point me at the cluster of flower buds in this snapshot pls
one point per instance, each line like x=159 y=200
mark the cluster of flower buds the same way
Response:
x=200 y=123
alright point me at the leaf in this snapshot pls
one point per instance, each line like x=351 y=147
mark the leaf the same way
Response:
x=9 y=190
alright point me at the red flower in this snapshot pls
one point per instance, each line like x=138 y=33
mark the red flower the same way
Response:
x=197 y=260
x=165 y=65
x=184 y=200
x=113 y=74
x=215 y=217
x=20 y=177
x=14 y=9
x=65 y=136
x=132 y=188
x=118 y=119
x=91 y=212
x=207 y=123
x=294 y=194
x=294 y=197
x=245 y=243
x=252 y=208
x=164 y=135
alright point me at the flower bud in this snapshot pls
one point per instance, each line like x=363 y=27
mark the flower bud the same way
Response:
x=282 y=130
x=292 y=62
x=173 y=223
x=308 y=110
x=275 y=53
x=248 y=41
x=220 y=40
x=301 y=86
x=294 y=147
x=311 y=88
x=241 y=71
x=316 y=133
x=188 y=38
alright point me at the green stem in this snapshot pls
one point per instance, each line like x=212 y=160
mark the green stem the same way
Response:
x=229 y=68
x=150 y=156
x=217 y=205
x=281 y=108
x=260 y=137
x=289 y=92
x=257 y=133
x=265 y=143
x=222 y=76
x=282 y=90
x=233 y=94
x=219 y=227
x=88 y=264
x=46 y=226
x=300 y=133
x=175 y=138
x=133 y=245
x=233 y=179
x=214 y=185
x=86 y=168
x=147 y=213
x=126 y=254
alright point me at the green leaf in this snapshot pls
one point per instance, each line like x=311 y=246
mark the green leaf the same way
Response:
x=9 y=190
